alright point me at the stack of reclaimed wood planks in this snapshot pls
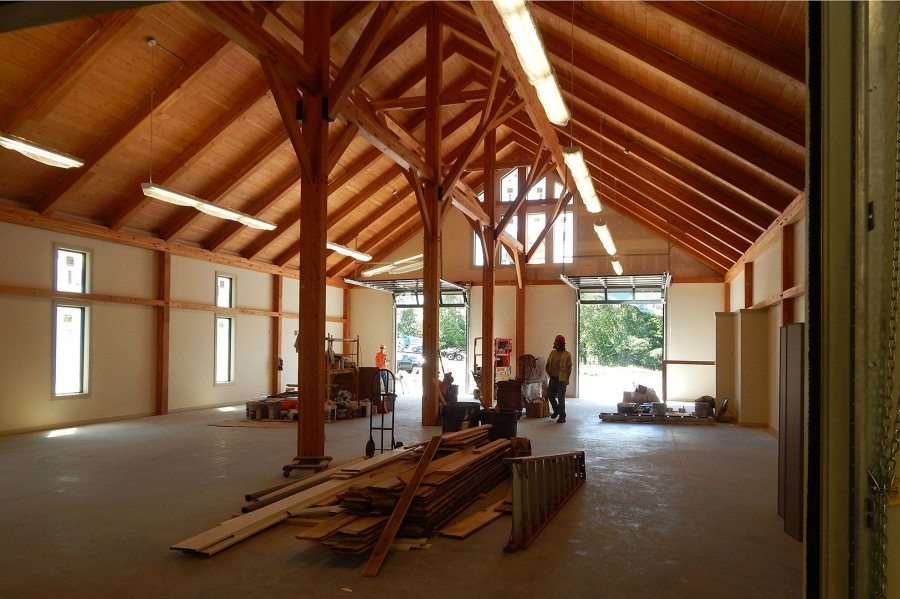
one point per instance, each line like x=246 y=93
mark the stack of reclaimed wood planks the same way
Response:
x=347 y=507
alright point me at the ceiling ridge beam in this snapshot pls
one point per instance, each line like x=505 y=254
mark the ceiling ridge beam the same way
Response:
x=190 y=154
x=164 y=96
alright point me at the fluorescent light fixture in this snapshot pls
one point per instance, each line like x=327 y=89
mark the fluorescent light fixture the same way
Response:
x=408 y=267
x=617 y=266
x=377 y=270
x=395 y=266
x=605 y=237
x=527 y=41
x=574 y=159
x=342 y=249
x=62 y=432
x=39 y=153
x=157 y=192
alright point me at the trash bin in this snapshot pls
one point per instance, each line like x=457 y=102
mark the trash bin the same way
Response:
x=509 y=395
x=503 y=423
x=460 y=416
x=273 y=407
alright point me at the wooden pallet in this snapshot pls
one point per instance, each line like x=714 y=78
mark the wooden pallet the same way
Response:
x=656 y=419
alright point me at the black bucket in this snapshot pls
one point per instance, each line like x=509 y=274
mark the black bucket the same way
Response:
x=460 y=416
x=503 y=423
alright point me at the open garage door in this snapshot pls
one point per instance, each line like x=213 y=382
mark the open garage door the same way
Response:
x=621 y=334
x=409 y=299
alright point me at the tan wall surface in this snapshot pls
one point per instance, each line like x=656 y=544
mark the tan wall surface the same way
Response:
x=372 y=318
x=736 y=293
x=195 y=281
x=691 y=335
x=774 y=352
x=767 y=273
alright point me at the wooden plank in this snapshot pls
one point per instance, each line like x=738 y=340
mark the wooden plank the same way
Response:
x=393 y=525
x=328 y=527
x=375 y=461
x=475 y=522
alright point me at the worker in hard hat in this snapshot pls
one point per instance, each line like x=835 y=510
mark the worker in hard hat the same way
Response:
x=381 y=362
x=559 y=368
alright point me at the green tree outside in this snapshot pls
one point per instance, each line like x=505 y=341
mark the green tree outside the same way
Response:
x=453 y=328
x=621 y=335
x=407 y=323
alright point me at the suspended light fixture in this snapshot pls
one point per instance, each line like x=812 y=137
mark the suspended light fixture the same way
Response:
x=158 y=192
x=39 y=153
x=393 y=267
x=617 y=265
x=574 y=159
x=409 y=267
x=527 y=41
x=342 y=249
x=605 y=236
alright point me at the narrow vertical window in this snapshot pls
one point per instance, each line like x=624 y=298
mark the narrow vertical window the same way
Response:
x=224 y=349
x=512 y=228
x=477 y=253
x=563 y=239
x=534 y=224
x=71 y=270
x=224 y=291
x=70 y=350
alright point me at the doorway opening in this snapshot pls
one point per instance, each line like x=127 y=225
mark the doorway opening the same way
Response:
x=621 y=336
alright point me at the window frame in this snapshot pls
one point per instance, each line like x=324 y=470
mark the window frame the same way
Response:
x=85 y=353
x=559 y=260
x=232 y=299
x=231 y=345
x=87 y=283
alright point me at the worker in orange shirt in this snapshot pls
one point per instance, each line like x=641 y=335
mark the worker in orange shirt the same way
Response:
x=381 y=362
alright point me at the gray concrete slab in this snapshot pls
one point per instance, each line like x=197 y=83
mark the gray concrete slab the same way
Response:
x=670 y=511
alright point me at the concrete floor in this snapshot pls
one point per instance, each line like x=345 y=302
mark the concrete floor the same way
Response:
x=669 y=511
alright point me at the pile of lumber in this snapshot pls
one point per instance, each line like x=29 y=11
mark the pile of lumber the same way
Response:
x=348 y=507
x=451 y=483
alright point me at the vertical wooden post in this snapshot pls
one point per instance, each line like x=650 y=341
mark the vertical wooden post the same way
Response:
x=277 y=325
x=520 y=291
x=487 y=294
x=748 y=284
x=346 y=298
x=432 y=236
x=164 y=293
x=313 y=203
x=787 y=273
x=726 y=305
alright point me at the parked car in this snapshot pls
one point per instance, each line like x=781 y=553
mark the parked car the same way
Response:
x=411 y=363
x=452 y=353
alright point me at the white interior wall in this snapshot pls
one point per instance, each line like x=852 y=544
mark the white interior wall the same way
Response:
x=122 y=337
x=550 y=311
x=691 y=335
x=767 y=273
x=372 y=318
x=736 y=293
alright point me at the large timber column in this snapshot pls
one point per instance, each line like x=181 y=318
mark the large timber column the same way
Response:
x=490 y=258
x=522 y=177
x=313 y=204
x=432 y=235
